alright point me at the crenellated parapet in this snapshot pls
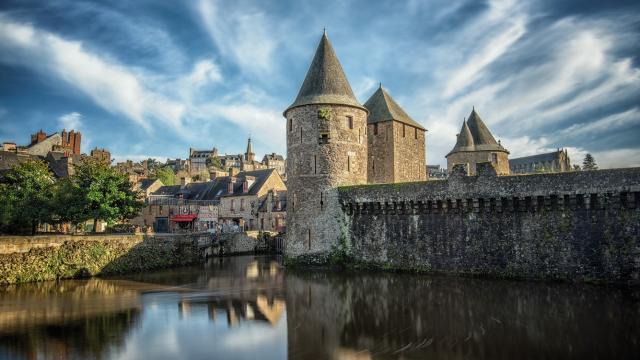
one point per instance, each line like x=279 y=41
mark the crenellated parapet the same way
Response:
x=572 y=226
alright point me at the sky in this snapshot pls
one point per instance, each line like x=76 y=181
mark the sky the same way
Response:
x=154 y=78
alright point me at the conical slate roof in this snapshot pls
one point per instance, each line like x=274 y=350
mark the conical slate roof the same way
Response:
x=475 y=136
x=325 y=82
x=382 y=107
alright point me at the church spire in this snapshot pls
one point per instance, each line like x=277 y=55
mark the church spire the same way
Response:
x=249 y=155
x=325 y=82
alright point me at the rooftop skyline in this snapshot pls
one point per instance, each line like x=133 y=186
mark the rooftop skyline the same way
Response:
x=150 y=79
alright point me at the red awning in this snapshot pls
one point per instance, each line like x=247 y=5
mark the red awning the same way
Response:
x=184 y=218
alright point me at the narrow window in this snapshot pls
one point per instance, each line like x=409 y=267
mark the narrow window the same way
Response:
x=300 y=133
x=403 y=130
x=416 y=135
x=321 y=202
x=359 y=137
x=348 y=163
x=290 y=125
x=315 y=164
x=494 y=158
x=350 y=122
x=375 y=129
x=373 y=166
x=309 y=239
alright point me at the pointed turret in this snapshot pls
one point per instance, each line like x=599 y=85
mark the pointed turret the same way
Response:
x=475 y=136
x=382 y=107
x=249 y=155
x=465 y=139
x=325 y=82
x=480 y=132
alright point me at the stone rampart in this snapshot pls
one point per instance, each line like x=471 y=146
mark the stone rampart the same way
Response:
x=573 y=226
x=50 y=257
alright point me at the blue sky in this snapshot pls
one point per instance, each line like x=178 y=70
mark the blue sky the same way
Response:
x=153 y=78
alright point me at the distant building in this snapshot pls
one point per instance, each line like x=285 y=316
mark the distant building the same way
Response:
x=62 y=164
x=135 y=171
x=396 y=142
x=101 y=155
x=147 y=186
x=275 y=161
x=272 y=212
x=229 y=202
x=198 y=160
x=249 y=162
x=435 y=172
x=476 y=144
x=557 y=161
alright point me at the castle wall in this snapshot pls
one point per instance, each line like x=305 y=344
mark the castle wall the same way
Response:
x=316 y=166
x=474 y=157
x=575 y=225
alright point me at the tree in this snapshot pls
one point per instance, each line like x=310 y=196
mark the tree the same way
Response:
x=576 y=168
x=106 y=193
x=214 y=161
x=589 y=163
x=25 y=197
x=166 y=175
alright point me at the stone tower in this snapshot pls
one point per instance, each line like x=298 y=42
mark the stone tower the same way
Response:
x=326 y=148
x=396 y=142
x=476 y=144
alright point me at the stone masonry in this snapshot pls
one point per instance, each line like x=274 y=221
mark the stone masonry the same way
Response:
x=572 y=226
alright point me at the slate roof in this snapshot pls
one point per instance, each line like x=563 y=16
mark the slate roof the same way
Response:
x=382 y=107
x=475 y=136
x=214 y=189
x=260 y=176
x=325 y=82
x=273 y=156
x=555 y=155
x=145 y=183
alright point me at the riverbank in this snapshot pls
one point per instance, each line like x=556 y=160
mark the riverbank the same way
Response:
x=51 y=257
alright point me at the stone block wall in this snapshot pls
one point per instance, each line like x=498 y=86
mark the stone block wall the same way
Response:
x=316 y=166
x=475 y=157
x=51 y=257
x=573 y=226
x=396 y=153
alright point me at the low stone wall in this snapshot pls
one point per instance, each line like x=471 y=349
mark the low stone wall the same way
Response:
x=571 y=226
x=37 y=258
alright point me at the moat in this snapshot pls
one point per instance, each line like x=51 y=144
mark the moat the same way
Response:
x=251 y=308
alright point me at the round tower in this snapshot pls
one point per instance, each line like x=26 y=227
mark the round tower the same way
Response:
x=326 y=148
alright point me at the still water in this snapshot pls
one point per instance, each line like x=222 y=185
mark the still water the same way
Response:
x=251 y=308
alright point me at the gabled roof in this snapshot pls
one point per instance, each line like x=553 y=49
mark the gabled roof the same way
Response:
x=382 y=107
x=325 y=82
x=260 y=178
x=555 y=155
x=475 y=136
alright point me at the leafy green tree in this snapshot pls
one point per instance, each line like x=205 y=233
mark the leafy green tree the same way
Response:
x=107 y=193
x=214 y=161
x=68 y=203
x=166 y=175
x=576 y=168
x=25 y=197
x=589 y=163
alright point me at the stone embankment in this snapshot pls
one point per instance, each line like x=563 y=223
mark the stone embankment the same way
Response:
x=50 y=257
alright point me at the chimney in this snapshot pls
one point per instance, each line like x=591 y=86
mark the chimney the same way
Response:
x=232 y=181
x=184 y=180
x=246 y=184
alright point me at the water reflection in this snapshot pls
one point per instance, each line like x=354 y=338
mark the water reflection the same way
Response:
x=247 y=308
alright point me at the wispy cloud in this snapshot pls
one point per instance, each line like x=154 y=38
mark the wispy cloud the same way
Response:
x=241 y=32
x=70 y=121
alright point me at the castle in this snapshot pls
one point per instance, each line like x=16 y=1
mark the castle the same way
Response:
x=354 y=186
x=333 y=140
